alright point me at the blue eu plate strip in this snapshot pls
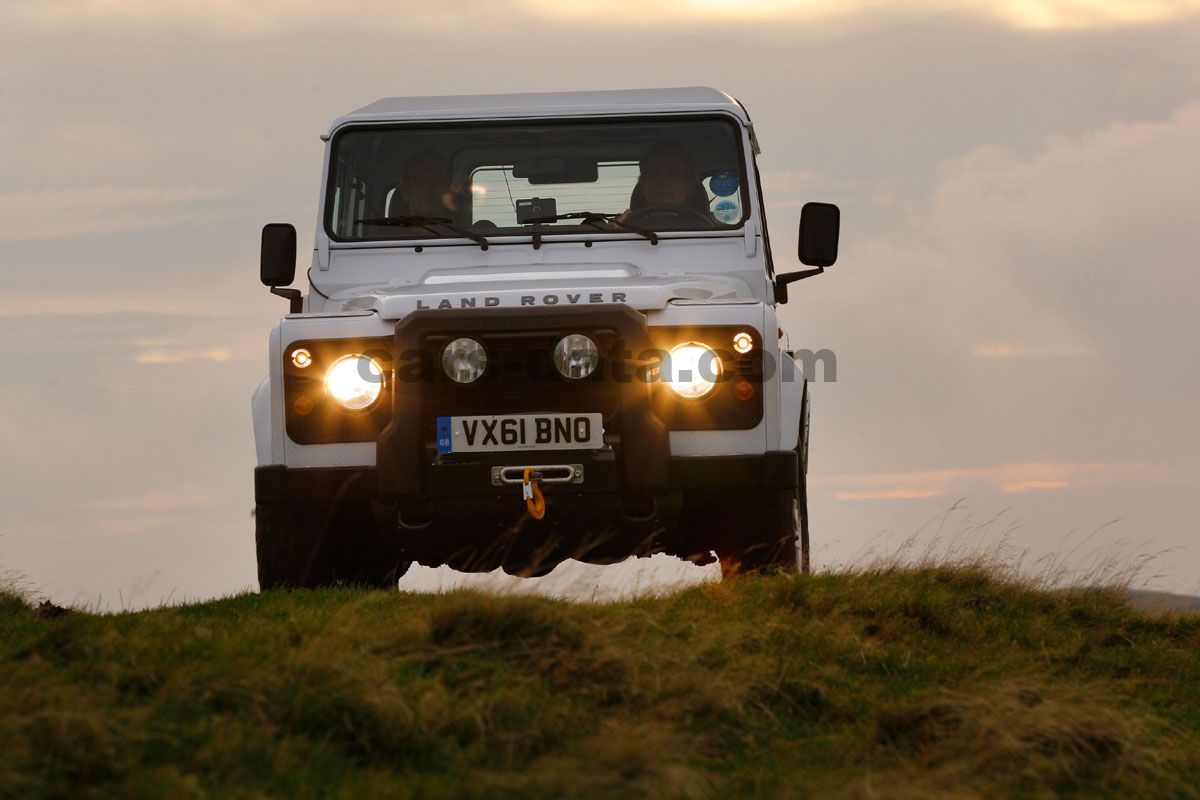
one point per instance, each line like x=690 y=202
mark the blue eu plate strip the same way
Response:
x=443 y=435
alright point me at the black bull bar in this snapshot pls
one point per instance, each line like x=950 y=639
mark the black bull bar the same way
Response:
x=402 y=457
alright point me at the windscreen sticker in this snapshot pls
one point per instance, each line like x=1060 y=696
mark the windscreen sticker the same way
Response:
x=727 y=211
x=723 y=184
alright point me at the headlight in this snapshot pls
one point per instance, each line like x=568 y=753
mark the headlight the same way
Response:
x=576 y=356
x=464 y=360
x=355 y=381
x=693 y=370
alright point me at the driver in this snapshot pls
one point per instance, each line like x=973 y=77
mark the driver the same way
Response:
x=668 y=178
x=426 y=190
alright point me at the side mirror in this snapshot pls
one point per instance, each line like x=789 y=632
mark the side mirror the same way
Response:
x=277 y=262
x=820 y=225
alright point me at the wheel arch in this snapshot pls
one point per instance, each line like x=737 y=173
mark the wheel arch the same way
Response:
x=793 y=393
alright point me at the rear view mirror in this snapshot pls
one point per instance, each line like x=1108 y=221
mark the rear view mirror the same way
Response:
x=277 y=260
x=819 y=227
x=556 y=170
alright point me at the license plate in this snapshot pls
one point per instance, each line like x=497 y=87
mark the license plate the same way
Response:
x=520 y=432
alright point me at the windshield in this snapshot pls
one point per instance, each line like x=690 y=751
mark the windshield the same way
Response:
x=599 y=178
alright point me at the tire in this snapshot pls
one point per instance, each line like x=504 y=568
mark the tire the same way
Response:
x=802 y=514
x=765 y=536
x=758 y=532
x=802 y=486
x=312 y=544
x=754 y=531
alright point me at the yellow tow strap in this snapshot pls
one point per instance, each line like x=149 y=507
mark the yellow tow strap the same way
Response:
x=532 y=493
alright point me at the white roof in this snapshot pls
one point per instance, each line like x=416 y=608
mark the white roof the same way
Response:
x=690 y=99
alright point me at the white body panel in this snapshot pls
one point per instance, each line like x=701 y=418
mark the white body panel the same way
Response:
x=704 y=277
x=547 y=105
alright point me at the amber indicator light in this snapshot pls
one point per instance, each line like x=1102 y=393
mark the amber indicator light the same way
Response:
x=303 y=405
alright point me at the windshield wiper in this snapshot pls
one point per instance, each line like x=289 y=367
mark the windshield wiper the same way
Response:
x=597 y=220
x=427 y=223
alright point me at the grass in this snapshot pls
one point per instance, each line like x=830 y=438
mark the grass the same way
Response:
x=920 y=681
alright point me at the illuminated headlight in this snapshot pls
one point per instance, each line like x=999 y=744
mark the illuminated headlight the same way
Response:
x=693 y=370
x=464 y=360
x=576 y=356
x=354 y=381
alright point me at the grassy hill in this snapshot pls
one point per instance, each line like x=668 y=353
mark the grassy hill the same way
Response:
x=897 y=683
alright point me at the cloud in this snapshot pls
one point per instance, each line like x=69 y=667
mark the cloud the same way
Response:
x=143 y=512
x=1040 y=303
x=1035 y=350
x=126 y=304
x=174 y=355
x=87 y=133
x=268 y=16
x=1097 y=233
x=235 y=17
x=182 y=348
x=790 y=186
x=1026 y=14
x=178 y=499
x=1054 y=14
x=131 y=524
x=1017 y=478
x=1125 y=172
x=55 y=213
x=887 y=494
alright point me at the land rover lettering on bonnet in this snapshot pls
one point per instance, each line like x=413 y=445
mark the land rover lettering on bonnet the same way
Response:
x=491 y=301
x=536 y=327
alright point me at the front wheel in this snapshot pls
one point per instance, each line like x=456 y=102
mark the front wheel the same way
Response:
x=770 y=532
x=767 y=537
x=761 y=531
x=308 y=544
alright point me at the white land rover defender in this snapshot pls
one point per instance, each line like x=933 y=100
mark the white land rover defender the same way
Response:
x=538 y=327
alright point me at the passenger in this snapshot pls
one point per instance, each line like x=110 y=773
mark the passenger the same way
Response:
x=426 y=190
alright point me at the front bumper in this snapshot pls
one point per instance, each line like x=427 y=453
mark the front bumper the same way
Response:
x=280 y=484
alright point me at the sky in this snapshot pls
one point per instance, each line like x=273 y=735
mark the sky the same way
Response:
x=1013 y=311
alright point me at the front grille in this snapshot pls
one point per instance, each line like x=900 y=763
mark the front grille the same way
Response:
x=520 y=378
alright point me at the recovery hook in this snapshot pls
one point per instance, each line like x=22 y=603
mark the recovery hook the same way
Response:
x=532 y=493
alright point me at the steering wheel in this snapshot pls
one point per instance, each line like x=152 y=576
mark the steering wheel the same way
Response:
x=646 y=216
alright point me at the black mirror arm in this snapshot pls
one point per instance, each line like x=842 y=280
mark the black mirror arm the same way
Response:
x=294 y=298
x=782 y=281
